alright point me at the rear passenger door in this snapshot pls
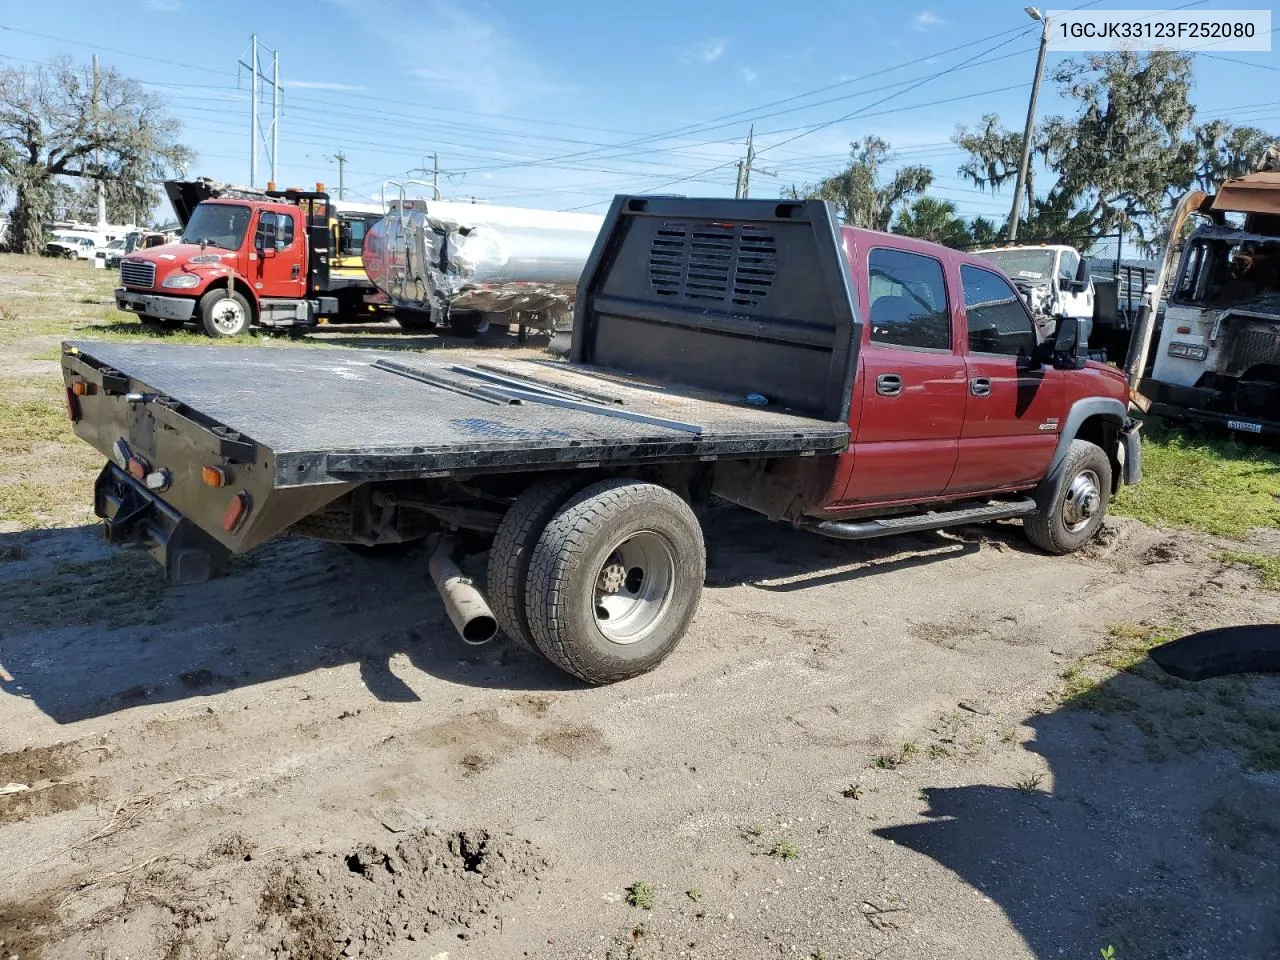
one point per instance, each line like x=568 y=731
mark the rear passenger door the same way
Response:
x=911 y=392
x=1011 y=411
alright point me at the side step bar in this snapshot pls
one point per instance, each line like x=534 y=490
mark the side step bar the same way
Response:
x=916 y=522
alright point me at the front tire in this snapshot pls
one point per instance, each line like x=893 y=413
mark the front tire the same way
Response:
x=225 y=313
x=615 y=579
x=1078 y=504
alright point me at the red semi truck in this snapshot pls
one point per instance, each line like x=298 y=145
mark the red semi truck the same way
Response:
x=851 y=383
x=269 y=258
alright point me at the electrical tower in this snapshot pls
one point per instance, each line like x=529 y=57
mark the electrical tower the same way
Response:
x=256 y=78
x=341 y=159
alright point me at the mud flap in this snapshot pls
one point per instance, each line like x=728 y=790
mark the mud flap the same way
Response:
x=133 y=516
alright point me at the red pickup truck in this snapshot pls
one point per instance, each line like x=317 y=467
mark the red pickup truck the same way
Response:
x=851 y=383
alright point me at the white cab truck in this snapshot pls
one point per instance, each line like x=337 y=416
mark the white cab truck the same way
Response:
x=1053 y=279
x=1217 y=356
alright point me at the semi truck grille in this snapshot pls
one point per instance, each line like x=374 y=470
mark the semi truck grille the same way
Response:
x=137 y=273
x=731 y=263
x=1250 y=347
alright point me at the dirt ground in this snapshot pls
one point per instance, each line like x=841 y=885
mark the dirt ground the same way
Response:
x=942 y=746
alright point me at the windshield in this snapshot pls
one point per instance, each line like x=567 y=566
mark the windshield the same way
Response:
x=1022 y=264
x=1220 y=273
x=217 y=225
x=115 y=245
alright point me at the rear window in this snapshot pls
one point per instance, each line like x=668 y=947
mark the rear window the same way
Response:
x=908 y=300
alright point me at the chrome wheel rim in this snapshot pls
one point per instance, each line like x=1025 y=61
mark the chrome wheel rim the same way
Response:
x=632 y=589
x=227 y=316
x=1083 y=501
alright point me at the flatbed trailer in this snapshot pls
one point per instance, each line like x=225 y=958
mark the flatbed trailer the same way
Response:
x=718 y=350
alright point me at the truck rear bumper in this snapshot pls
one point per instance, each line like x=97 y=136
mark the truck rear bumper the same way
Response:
x=134 y=516
x=154 y=305
x=1194 y=403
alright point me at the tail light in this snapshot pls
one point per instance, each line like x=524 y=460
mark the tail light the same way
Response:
x=213 y=476
x=236 y=510
x=137 y=467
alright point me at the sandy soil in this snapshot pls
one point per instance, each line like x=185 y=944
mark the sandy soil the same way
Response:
x=860 y=750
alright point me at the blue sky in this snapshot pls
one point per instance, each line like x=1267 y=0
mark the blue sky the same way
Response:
x=562 y=104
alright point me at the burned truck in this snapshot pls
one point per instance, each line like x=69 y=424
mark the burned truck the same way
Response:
x=468 y=265
x=1217 y=359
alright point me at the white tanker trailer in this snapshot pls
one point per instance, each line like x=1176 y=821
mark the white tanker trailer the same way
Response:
x=468 y=265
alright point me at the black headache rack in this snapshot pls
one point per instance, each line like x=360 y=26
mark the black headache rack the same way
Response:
x=734 y=296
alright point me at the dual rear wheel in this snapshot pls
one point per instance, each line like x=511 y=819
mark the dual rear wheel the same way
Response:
x=602 y=580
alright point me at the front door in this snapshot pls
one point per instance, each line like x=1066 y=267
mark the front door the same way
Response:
x=279 y=270
x=1011 y=412
x=912 y=383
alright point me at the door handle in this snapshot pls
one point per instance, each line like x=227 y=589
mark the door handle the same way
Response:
x=980 y=386
x=293 y=274
x=889 y=384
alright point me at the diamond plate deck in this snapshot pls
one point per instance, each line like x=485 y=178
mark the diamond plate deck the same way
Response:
x=358 y=421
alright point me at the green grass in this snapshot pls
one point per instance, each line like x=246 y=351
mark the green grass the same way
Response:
x=123 y=589
x=1267 y=565
x=25 y=423
x=1212 y=485
x=785 y=850
x=640 y=894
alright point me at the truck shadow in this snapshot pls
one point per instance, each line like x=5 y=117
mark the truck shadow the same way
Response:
x=744 y=548
x=87 y=630
x=1155 y=833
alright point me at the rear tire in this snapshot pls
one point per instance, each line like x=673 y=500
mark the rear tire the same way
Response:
x=1083 y=490
x=615 y=580
x=415 y=320
x=467 y=323
x=512 y=550
x=225 y=313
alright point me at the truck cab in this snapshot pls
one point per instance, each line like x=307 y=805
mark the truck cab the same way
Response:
x=1217 y=359
x=246 y=257
x=1053 y=279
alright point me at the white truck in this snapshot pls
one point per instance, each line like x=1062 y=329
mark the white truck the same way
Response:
x=1053 y=279
x=1217 y=357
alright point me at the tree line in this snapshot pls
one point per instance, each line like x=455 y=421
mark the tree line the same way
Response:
x=1129 y=150
x=59 y=139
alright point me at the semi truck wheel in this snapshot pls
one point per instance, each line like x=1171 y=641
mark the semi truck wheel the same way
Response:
x=224 y=313
x=615 y=579
x=1079 y=502
x=512 y=550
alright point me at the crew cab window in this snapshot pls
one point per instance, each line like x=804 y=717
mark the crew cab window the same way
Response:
x=996 y=319
x=908 y=300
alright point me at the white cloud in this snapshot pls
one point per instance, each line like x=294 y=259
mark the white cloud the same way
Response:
x=707 y=51
x=461 y=57
x=321 y=85
x=748 y=75
x=926 y=20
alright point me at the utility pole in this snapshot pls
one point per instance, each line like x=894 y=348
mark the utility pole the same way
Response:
x=342 y=162
x=435 y=175
x=745 y=167
x=275 y=112
x=1034 y=14
x=256 y=79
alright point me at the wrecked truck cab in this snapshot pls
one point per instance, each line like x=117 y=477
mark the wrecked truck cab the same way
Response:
x=1218 y=358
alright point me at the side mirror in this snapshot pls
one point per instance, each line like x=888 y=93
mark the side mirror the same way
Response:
x=1082 y=273
x=1066 y=338
x=259 y=241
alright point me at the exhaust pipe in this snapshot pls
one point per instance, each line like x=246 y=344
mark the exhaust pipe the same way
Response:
x=465 y=604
